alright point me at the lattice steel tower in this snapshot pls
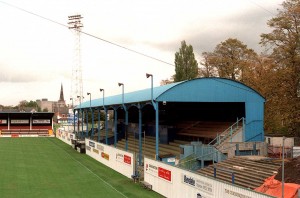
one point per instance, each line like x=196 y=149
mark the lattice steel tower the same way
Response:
x=76 y=84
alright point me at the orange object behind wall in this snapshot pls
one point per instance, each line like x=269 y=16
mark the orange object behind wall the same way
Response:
x=273 y=187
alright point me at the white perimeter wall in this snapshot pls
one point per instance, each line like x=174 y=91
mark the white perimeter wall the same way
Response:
x=119 y=160
x=65 y=136
x=171 y=181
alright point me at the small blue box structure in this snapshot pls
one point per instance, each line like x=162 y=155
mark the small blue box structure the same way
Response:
x=168 y=158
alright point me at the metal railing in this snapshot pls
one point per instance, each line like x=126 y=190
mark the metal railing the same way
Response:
x=229 y=132
x=203 y=153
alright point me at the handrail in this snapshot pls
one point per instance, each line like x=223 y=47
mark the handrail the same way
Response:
x=215 y=151
x=188 y=159
x=193 y=157
x=228 y=132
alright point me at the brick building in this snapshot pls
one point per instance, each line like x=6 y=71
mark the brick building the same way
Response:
x=59 y=108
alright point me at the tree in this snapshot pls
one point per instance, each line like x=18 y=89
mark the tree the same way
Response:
x=25 y=103
x=22 y=104
x=167 y=81
x=31 y=104
x=230 y=59
x=186 y=66
x=207 y=69
x=95 y=112
x=262 y=76
x=284 y=41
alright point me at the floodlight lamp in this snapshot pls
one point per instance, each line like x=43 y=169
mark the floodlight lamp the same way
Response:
x=148 y=75
x=78 y=96
x=88 y=93
x=120 y=84
x=101 y=90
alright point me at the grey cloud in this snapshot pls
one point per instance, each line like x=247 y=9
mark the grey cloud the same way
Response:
x=27 y=75
x=246 y=26
x=18 y=77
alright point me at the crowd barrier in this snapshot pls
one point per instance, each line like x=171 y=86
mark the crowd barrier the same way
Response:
x=65 y=136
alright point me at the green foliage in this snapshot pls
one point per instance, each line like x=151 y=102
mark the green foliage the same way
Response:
x=186 y=66
x=95 y=114
x=31 y=104
x=56 y=126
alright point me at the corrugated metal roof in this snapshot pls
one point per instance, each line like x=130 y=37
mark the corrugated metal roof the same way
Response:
x=196 y=90
x=211 y=90
x=129 y=98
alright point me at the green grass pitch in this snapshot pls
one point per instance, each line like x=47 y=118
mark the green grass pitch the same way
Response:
x=47 y=167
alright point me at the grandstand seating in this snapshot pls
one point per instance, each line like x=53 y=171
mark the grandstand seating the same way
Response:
x=247 y=173
x=148 y=146
x=194 y=129
x=40 y=132
x=102 y=135
x=201 y=129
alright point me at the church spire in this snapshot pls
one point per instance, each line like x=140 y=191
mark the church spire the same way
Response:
x=61 y=96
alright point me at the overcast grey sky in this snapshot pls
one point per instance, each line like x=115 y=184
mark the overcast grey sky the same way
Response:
x=36 y=55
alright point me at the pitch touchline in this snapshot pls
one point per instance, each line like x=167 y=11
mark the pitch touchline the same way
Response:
x=90 y=171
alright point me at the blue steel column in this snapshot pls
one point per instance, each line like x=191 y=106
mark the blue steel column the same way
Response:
x=82 y=119
x=106 y=126
x=92 y=116
x=87 y=124
x=156 y=130
x=243 y=132
x=155 y=106
x=78 y=116
x=74 y=120
x=237 y=150
x=92 y=112
x=126 y=117
x=99 y=112
x=116 y=126
x=140 y=134
x=202 y=159
x=105 y=110
x=78 y=126
x=126 y=128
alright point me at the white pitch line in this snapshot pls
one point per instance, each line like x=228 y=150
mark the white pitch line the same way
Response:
x=90 y=171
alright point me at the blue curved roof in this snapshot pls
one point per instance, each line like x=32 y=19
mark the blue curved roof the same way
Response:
x=196 y=90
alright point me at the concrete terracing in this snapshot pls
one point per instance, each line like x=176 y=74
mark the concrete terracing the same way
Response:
x=148 y=146
x=248 y=172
